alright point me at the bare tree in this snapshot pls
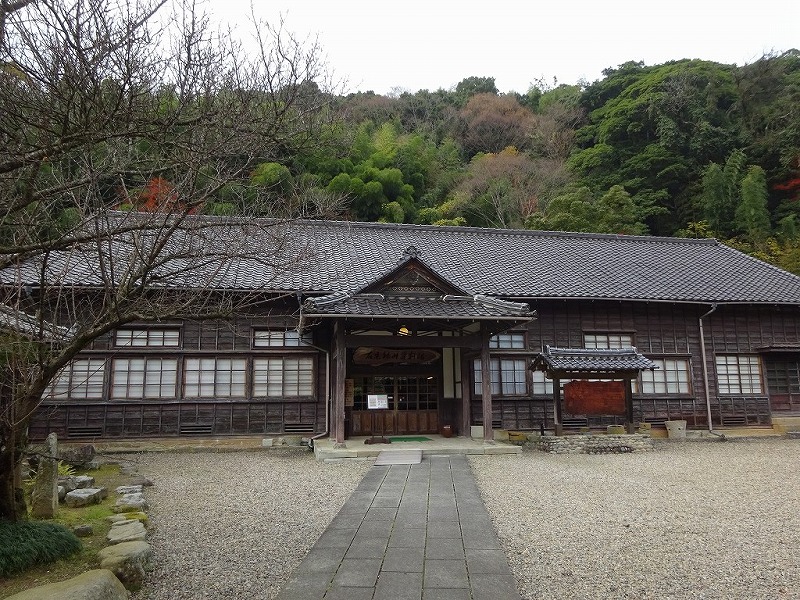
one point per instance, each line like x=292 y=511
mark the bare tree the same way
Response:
x=141 y=106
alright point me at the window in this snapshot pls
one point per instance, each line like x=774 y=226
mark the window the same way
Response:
x=508 y=376
x=607 y=341
x=82 y=378
x=511 y=341
x=140 y=378
x=263 y=338
x=738 y=374
x=542 y=385
x=283 y=377
x=148 y=337
x=783 y=376
x=214 y=377
x=671 y=377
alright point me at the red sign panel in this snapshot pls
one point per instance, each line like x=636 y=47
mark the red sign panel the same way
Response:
x=594 y=397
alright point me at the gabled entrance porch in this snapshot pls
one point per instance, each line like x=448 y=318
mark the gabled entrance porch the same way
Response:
x=401 y=351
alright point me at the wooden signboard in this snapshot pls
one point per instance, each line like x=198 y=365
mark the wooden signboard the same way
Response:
x=594 y=397
x=375 y=401
x=349 y=392
x=381 y=356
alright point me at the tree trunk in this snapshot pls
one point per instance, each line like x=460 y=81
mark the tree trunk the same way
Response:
x=12 y=497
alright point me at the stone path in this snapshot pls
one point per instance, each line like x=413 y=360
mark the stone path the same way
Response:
x=415 y=532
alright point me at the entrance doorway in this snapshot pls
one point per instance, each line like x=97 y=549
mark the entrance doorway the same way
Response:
x=413 y=405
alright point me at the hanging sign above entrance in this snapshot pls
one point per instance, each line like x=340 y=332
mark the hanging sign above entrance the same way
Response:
x=382 y=356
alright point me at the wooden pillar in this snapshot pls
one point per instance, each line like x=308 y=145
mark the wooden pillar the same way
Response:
x=557 y=412
x=466 y=396
x=486 y=385
x=340 y=373
x=629 y=406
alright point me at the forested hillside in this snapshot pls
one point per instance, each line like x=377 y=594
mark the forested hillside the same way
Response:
x=685 y=148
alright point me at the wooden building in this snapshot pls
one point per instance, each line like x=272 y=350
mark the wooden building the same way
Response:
x=441 y=324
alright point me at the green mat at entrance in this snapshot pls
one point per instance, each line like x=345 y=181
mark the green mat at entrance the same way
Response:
x=410 y=438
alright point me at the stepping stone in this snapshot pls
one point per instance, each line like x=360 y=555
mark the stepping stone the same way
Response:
x=399 y=457
x=85 y=497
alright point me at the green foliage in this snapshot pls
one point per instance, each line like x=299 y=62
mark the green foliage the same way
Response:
x=29 y=543
x=393 y=213
x=578 y=209
x=65 y=469
x=466 y=88
x=752 y=215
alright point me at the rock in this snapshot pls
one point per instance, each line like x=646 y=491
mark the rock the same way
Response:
x=70 y=482
x=129 y=489
x=126 y=531
x=84 y=481
x=116 y=518
x=124 y=522
x=141 y=480
x=129 y=503
x=62 y=493
x=139 y=516
x=80 y=457
x=128 y=561
x=97 y=584
x=83 y=530
x=44 y=495
x=86 y=496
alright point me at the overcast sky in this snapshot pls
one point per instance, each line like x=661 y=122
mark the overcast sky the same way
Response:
x=432 y=44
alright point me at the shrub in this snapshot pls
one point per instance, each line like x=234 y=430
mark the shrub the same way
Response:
x=30 y=543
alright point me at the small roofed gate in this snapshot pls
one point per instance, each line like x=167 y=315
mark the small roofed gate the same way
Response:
x=583 y=394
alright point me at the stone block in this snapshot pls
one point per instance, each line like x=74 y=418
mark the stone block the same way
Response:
x=83 y=530
x=128 y=561
x=44 y=495
x=476 y=431
x=84 y=481
x=500 y=435
x=85 y=497
x=126 y=531
x=97 y=584
x=130 y=503
x=129 y=489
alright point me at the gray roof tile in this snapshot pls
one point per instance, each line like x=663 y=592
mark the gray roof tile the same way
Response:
x=320 y=257
x=591 y=361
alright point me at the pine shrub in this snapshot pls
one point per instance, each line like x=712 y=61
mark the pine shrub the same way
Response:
x=30 y=543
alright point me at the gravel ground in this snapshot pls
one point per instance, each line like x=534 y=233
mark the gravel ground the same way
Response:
x=690 y=520
x=235 y=525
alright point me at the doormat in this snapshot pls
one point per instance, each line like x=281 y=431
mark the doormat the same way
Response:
x=410 y=438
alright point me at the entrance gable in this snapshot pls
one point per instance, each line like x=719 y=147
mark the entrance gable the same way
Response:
x=412 y=277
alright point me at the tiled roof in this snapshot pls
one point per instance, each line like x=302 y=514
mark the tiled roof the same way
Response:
x=446 y=307
x=30 y=327
x=591 y=361
x=321 y=257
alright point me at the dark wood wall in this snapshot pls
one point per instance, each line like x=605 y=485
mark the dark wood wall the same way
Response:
x=660 y=330
x=110 y=418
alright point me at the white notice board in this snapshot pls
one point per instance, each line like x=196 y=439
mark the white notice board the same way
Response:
x=377 y=401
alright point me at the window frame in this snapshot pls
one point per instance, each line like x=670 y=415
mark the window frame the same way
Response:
x=150 y=335
x=65 y=379
x=279 y=338
x=608 y=342
x=260 y=384
x=498 y=380
x=146 y=360
x=662 y=361
x=224 y=382
x=752 y=359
